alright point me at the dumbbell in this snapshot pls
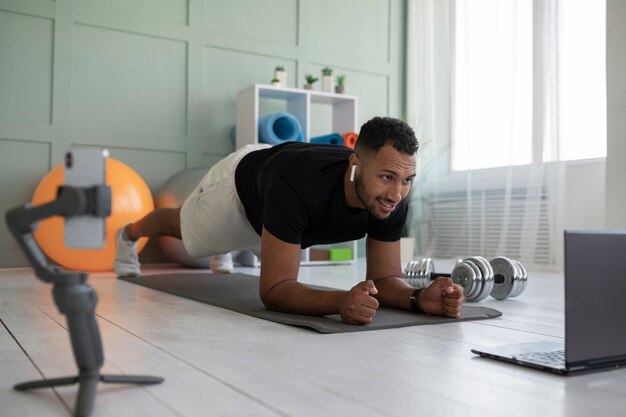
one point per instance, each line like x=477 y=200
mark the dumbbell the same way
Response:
x=501 y=277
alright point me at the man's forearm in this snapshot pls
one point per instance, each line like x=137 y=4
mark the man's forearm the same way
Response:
x=292 y=297
x=394 y=292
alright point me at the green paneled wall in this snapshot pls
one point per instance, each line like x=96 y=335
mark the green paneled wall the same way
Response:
x=155 y=80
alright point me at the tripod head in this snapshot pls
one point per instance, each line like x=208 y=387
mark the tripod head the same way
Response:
x=71 y=201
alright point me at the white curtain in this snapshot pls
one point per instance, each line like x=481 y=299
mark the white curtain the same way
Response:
x=487 y=192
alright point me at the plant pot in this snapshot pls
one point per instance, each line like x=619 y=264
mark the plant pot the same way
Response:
x=327 y=83
x=308 y=86
x=407 y=247
x=277 y=84
x=282 y=77
x=340 y=89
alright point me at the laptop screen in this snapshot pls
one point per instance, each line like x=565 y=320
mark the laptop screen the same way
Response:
x=595 y=295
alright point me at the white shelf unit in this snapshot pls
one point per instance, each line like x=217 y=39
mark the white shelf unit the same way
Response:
x=299 y=103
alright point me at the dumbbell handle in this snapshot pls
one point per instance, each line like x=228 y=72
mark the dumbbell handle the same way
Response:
x=434 y=275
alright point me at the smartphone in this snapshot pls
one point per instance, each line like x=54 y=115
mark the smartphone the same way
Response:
x=85 y=167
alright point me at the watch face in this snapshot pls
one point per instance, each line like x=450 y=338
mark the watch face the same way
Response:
x=414 y=306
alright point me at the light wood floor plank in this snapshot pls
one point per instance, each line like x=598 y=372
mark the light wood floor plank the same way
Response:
x=16 y=367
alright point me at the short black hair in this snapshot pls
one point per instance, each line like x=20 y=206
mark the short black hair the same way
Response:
x=378 y=131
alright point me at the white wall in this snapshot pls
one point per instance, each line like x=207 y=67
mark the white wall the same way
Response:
x=595 y=189
x=616 y=114
x=585 y=194
x=155 y=82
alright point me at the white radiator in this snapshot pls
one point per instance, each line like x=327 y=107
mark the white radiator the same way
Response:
x=490 y=222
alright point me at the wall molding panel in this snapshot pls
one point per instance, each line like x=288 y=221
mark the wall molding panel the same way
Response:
x=156 y=82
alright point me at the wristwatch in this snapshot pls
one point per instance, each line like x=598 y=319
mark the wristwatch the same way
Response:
x=414 y=301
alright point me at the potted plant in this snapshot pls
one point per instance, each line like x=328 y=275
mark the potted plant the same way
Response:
x=327 y=79
x=281 y=75
x=276 y=82
x=340 y=88
x=310 y=79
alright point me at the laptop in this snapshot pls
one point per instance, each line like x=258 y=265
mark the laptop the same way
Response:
x=595 y=308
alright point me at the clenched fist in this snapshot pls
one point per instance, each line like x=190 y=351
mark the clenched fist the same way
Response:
x=358 y=306
x=442 y=298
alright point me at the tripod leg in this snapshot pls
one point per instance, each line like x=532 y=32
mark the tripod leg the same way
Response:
x=46 y=383
x=131 y=379
x=86 y=394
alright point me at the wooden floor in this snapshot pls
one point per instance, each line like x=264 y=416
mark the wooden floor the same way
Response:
x=220 y=363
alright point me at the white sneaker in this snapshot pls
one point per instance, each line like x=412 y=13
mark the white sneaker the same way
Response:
x=126 y=260
x=222 y=263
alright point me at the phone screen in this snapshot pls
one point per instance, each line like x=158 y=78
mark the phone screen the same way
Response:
x=85 y=168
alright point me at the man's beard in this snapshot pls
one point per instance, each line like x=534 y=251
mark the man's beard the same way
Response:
x=365 y=198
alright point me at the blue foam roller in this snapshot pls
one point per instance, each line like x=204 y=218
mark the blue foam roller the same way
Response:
x=278 y=128
x=274 y=129
x=332 y=139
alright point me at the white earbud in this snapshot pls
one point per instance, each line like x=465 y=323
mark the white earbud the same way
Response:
x=352 y=173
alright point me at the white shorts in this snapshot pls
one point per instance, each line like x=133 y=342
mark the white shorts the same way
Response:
x=212 y=219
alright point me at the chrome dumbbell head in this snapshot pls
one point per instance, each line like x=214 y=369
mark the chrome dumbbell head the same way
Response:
x=417 y=272
x=464 y=274
x=509 y=278
x=487 y=277
x=523 y=279
x=475 y=275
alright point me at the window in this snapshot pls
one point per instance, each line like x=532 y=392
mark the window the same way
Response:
x=494 y=88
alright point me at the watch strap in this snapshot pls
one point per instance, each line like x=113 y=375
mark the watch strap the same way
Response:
x=415 y=301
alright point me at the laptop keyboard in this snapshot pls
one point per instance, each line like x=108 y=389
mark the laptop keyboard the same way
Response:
x=555 y=358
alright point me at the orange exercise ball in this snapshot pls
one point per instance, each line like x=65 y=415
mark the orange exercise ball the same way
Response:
x=130 y=200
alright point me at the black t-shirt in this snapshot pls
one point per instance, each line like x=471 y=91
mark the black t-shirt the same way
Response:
x=296 y=191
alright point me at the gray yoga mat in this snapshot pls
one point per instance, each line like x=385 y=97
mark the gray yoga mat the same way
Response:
x=240 y=293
